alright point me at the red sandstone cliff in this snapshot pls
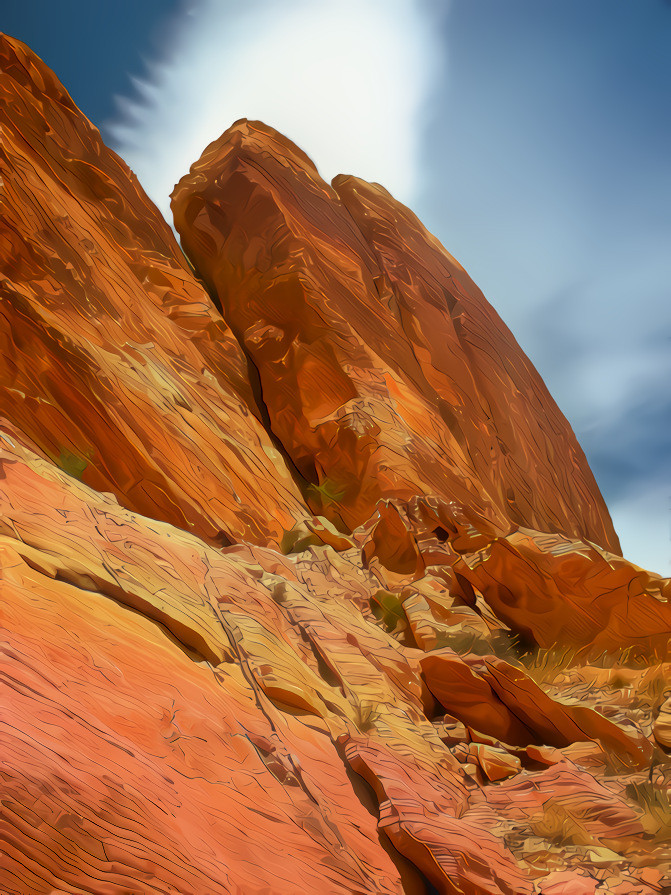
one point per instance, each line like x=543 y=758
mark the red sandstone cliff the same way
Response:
x=184 y=707
x=385 y=371
x=113 y=360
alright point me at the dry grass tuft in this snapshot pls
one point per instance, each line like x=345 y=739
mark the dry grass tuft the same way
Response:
x=560 y=826
x=366 y=716
x=545 y=665
x=655 y=804
x=651 y=689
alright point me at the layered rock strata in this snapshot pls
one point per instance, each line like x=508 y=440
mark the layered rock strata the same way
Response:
x=160 y=682
x=275 y=574
x=113 y=360
x=385 y=372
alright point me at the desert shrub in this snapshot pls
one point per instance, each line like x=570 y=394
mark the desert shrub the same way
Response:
x=326 y=493
x=561 y=826
x=544 y=665
x=654 y=802
x=74 y=464
x=388 y=608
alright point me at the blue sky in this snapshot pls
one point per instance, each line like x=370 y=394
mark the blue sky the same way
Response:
x=532 y=136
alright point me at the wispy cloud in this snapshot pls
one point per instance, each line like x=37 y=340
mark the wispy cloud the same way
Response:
x=548 y=177
x=347 y=80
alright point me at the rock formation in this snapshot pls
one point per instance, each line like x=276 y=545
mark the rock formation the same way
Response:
x=384 y=370
x=306 y=583
x=113 y=361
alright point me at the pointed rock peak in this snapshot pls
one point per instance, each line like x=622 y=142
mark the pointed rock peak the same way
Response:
x=27 y=69
x=245 y=138
x=384 y=370
x=114 y=363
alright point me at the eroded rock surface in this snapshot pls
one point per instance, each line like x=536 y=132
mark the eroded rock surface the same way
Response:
x=113 y=360
x=385 y=371
x=297 y=597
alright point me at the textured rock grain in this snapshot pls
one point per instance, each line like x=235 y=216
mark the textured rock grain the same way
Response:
x=274 y=582
x=385 y=371
x=158 y=682
x=113 y=360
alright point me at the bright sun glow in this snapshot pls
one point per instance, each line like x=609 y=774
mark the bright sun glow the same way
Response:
x=346 y=80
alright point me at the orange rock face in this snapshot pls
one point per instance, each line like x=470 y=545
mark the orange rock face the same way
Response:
x=275 y=576
x=563 y=591
x=547 y=588
x=161 y=682
x=113 y=360
x=495 y=698
x=384 y=370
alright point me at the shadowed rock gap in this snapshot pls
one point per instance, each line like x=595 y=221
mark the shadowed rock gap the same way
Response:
x=257 y=389
x=413 y=880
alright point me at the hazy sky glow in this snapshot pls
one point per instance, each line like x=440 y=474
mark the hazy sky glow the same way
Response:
x=346 y=80
x=532 y=137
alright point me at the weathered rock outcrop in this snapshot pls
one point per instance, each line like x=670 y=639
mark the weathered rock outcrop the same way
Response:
x=274 y=576
x=161 y=682
x=385 y=371
x=547 y=588
x=113 y=360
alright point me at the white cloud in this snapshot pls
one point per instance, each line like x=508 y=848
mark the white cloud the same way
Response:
x=346 y=80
